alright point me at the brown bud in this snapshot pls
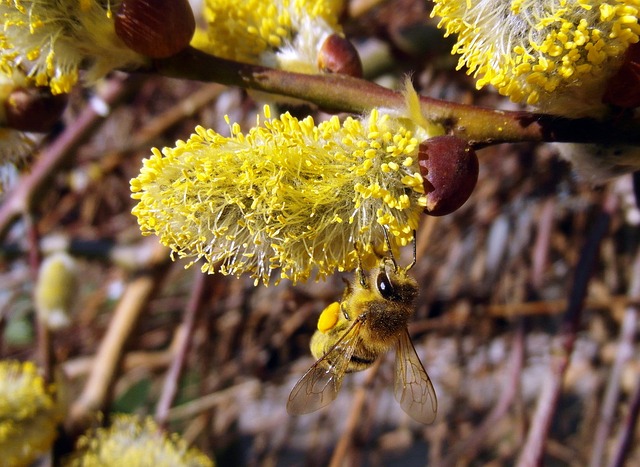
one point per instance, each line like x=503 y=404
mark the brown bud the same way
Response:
x=449 y=167
x=623 y=88
x=33 y=109
x=155 y=28
x=338 y=55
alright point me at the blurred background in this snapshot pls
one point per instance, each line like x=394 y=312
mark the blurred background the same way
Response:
x=497 y=311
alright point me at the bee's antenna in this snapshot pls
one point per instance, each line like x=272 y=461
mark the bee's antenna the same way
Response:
x=388 y=242
x=415 y=248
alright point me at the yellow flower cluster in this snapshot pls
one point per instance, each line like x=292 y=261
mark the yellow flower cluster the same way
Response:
x=555 y=54
x=29 y=415
x=283 y=34
x=51 y=39
x=288 y=195
x=133 y=443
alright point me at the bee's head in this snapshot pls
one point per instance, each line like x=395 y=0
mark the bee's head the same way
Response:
x=393 y=282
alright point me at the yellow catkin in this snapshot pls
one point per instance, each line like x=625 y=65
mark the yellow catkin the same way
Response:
x=29 y=413
x=52 y=39
x=556 y=54
x=288 y=196
x=135 y=443
x=279 y=33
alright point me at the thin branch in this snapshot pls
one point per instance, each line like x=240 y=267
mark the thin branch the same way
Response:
x=109 y=355
x=345 y=441
x=628 y=430
x=624 y=353
x=542 y=242
x=627 y=338
x=185 y=334
x=534 y=447
x=59 y=152
x=468 y=448
x=343 y=93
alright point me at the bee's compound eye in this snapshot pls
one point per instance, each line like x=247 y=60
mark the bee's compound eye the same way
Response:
x=385 y=287
x=329 y=317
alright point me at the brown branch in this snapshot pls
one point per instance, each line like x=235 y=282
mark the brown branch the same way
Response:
x=185 y=334
x=97 y=389
x=542 y=242
x=341 y=451
x=546 y=406
x=59 y=152
x=628 y=429
x=343 y=93
x=624 y=353
x=467 y=449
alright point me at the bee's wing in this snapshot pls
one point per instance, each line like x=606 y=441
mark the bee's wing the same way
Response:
x=413 y=388
x=321 y=383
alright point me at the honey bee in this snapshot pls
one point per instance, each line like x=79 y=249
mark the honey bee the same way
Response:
x=371 y=318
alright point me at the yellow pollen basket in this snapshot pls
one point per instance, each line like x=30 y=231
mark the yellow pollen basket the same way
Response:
x=329 y=317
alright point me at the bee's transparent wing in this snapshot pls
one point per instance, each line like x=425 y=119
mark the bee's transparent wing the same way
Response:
x=320 y=384
x=413 y=388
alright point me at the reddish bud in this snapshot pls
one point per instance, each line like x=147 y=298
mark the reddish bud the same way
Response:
x=155 y=28
x=33 y=109
x=623 y=88
x=338 y=55
x=449 y=167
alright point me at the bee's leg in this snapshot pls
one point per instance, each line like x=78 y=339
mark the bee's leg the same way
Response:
x=359 y=270
x=348 y=290
x=343 y=308
x=413 y=263
x=388 y=242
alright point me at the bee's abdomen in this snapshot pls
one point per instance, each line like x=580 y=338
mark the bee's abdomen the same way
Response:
x=359 y=363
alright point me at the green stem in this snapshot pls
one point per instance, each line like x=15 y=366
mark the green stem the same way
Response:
x=480 y=126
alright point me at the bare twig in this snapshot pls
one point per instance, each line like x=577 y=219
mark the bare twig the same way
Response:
x=629 y=427
x=196 y=407
x=185 y=333
x=552 y=307
x=627 y=336
x=133 y=302
x=161 y=123
x=624 y=353
x=344 y=93
x=541 y=245
x=341 y=451
x=27 y=192
x=45 y=345
x=468 y=447
x=533 y=450
x=159 y=360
